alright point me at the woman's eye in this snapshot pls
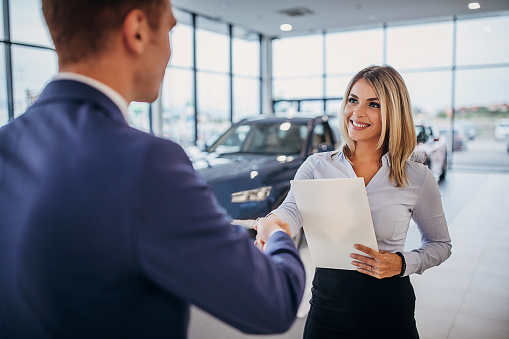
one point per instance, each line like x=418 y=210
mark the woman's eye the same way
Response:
x=375 y=105
x=352 y=100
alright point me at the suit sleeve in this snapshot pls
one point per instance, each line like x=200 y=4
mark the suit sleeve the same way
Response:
x=188 y=247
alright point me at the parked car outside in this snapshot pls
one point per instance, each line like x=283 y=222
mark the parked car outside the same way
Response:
x=469 y=130
x=501 y=129
x=431 y=149
x=250 y=166
x=459 y=142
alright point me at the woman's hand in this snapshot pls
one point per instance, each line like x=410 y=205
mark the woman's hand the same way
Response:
x=265 y=227
x=381 y=264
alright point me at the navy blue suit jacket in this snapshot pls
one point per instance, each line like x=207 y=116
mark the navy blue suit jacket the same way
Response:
x=107 y=232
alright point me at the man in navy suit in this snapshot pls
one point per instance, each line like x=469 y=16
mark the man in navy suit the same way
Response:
x=106 y=231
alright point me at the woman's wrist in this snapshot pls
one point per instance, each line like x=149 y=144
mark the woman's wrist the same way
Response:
x=403 y=264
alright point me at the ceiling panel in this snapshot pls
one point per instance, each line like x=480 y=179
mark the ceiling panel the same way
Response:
x=265 y=16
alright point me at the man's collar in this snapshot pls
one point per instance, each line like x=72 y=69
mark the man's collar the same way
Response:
x=113 y=95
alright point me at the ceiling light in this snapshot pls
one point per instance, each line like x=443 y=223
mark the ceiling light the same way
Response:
x=286 y=27
x=474 y=5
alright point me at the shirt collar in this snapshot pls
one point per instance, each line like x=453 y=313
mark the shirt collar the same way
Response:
x=113 y=95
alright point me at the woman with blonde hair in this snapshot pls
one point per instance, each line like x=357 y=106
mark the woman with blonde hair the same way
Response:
x=377 y=299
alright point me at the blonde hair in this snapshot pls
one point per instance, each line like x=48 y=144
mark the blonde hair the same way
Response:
x=398 y=136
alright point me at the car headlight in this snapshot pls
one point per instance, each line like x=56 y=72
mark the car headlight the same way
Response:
x=257 y=194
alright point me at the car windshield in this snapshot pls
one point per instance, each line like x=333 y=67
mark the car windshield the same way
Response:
x=262 y=137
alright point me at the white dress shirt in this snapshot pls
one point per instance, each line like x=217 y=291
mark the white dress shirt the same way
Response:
x=391 y=207
x=113 y=95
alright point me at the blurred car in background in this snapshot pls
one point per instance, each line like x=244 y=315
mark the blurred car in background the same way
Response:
x=431 y=149
x=501 y=129
x=469 y=130
x=459 y=142
x=250 y=166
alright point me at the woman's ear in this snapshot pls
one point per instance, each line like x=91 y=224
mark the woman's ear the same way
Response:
x=135 y=31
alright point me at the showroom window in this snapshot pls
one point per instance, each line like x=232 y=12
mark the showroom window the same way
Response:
x=4 y=111
x=218 y=83
x=456 y=71
x=213 y=78
x=298 y=64
x=481 y=98
x=32 y=68
x=177 y=94
x=227 y=76
x=246 y=73
x=346 y=54
x=482 y=41
x=27 y=23
x=420 y=46
x=349 y=52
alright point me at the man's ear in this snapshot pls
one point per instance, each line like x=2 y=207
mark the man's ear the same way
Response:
x=135 y=31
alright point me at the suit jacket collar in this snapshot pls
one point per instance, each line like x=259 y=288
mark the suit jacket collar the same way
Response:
x=69 y=90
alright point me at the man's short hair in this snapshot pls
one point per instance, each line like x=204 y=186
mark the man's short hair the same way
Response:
x=81 y=28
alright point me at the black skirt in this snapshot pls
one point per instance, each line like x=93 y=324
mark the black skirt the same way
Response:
x=349 y=304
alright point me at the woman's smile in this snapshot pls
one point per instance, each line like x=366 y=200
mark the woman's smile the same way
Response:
x=359 y=126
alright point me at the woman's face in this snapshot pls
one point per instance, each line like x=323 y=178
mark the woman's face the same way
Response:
x=363 y=113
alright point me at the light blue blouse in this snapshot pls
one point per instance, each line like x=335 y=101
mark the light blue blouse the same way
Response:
x=391 y=208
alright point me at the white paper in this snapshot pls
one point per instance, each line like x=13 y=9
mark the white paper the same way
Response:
x=336 y=215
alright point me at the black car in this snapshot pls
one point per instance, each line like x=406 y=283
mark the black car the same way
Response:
x=250 y=166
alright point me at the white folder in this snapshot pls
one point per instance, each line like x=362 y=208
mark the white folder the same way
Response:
x=336 y=215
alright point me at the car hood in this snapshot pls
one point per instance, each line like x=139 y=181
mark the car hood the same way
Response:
x=215 y=167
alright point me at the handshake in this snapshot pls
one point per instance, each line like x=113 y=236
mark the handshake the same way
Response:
x=264 y=228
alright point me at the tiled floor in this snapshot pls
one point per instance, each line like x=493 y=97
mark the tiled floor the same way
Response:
x=467 y=297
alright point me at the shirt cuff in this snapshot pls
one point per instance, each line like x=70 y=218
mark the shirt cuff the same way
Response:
x=412 y=260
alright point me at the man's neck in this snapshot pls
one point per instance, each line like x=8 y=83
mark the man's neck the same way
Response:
x=107 y=73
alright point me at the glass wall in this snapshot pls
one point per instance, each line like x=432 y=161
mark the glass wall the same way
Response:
x=32 y=69
x=33 y=60
x=27 y=23
x=481 y=96
x=4 y=111
x=203 y=92
x=456 y=71
x=298 y=64
x=207 y=89
x=178 y=102
x=213 y=80
x=246 y=73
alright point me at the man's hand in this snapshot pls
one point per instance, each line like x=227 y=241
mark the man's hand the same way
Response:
x=265 y=227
